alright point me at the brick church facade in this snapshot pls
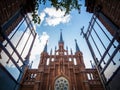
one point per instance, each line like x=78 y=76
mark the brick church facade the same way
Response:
x=61 y=71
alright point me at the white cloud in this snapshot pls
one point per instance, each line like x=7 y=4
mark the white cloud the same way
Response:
x=53 y=21
x=42 y=16
x=54 y=17
x=39 y=44
x=52 y=12
x=38 y=48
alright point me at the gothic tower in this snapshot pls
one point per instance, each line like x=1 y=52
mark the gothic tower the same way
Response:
x=61 y=71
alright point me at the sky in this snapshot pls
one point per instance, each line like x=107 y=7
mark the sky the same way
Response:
x=52 y=22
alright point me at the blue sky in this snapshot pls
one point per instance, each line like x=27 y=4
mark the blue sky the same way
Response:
x=51 y=23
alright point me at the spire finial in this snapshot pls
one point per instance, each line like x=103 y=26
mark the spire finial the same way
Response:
x=71 y=51
x=51 y=51
x=45 y=48
x=30 y=66
x=55 y=47
x=77 y=48
x=61 y=38
x=93 y=66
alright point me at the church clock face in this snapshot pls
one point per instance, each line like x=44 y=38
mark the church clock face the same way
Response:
x=61 y=84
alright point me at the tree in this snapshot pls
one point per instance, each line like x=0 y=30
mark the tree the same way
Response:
x=66 y=5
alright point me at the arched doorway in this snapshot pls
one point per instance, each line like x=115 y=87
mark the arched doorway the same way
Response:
x=61 y=83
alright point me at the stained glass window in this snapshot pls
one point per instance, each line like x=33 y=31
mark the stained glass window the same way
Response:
x=61 y=84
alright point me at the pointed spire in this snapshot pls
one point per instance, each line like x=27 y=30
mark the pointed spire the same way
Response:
x=51 y=52
x=30 y=66
x=61 y=38
x=71 y=52
x=27 y=59
x=45 y=48
x=55 y=50
x=92 y=65
x=77 y=48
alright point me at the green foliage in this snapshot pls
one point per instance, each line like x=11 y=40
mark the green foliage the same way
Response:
x=35 y=17
x=66 y=5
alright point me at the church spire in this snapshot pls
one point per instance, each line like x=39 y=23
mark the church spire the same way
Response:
x=66 y=47
x=27 y=59
x=71 y=51
x=45 y=48
x=61 y=38
x=77 y=48
x=51 y=52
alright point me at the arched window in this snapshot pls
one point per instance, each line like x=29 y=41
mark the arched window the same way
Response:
x=61 y=84
x=52 y=59
x=75 y=62
x=70 y=59
x=48 y=61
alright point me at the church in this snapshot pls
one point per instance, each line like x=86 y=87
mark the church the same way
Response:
x=61 y=71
